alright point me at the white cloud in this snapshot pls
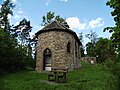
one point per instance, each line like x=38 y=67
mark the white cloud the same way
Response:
x=15 y=1
x=36 y=27
x=75 y=23
x=32 y=35
x=96 y=23
x=17 y=16
x=9 y=16
x=64 y=0
x=20 y=12
x=16 y=23
x=41 y=27
x=47 y=2
x=0 y=6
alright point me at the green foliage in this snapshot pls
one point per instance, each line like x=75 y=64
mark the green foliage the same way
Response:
x=88 y=78
x=81 y=46
x=13 y=56
x=115 y=4
x=104 y=50
x=90 y=46
x=22 y=32
x=113 y=65
x=48 y=18
x=92 y=36
x=101 y=48
x=7 y=49
x=51 y=17
x=6 y=10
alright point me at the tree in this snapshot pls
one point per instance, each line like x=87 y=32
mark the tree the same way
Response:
x=51 y=17
x=81 y=46
x=48 y=18
x=104 y=50
x=6 y=10
x=13 y=56
x=90 y=46
x=90 y=49
x=92 y=36
x=115 y=38
x=114 y=66
x=22 y=32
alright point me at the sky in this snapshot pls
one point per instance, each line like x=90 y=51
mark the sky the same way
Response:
x=81 y=15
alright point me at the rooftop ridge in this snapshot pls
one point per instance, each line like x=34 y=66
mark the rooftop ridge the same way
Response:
x=54 y=25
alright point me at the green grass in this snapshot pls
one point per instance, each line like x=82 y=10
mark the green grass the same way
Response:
x=88 y=78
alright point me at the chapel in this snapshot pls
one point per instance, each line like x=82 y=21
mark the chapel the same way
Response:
x=57 y=46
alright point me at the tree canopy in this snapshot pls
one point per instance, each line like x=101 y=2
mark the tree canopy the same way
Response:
x=6 y=10
x=13 y=56
x=90 y=46
x=22 y=31
x=51 y=17
x=104 y=50
x=81 y=46
x=115 y=4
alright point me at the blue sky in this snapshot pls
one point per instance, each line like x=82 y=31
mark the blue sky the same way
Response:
x=81 y=15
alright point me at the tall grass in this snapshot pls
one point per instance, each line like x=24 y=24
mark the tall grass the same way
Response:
x=89 y=77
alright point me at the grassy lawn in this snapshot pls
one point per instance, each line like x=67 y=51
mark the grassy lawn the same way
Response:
x=88 y=78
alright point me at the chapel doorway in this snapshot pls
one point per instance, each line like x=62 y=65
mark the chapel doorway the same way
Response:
x=47 y=60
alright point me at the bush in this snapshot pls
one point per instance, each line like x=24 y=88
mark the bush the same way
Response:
x=13 y=57
x=114 y=67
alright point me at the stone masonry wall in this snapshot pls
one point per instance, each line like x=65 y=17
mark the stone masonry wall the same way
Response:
x=57 y=41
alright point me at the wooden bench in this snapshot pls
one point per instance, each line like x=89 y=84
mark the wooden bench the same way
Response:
x=58 y=75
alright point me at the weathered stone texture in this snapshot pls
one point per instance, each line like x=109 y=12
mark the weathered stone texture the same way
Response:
x=57 y=41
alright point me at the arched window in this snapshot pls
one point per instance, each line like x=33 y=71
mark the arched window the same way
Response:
x=47 y=52
x=47 y=60
x=68 y=47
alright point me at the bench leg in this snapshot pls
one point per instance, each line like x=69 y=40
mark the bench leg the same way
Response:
x=49 y=77
x=63 y=77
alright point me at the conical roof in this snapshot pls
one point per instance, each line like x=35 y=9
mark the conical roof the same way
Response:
x=56 y=26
